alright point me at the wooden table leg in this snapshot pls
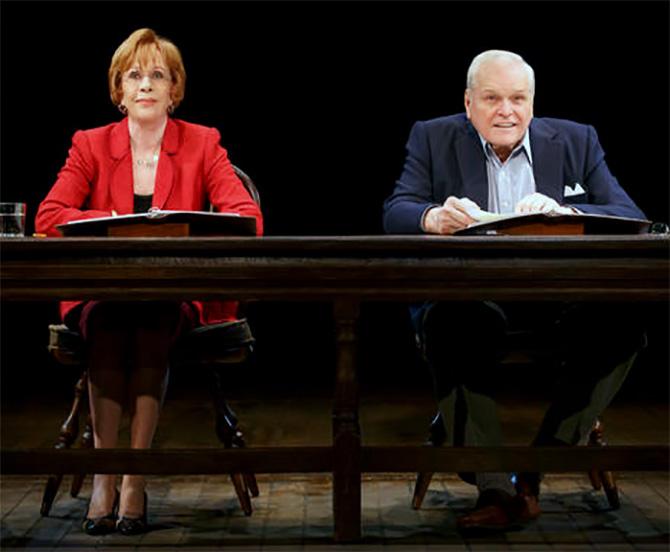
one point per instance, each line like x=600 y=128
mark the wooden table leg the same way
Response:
x=346 y=430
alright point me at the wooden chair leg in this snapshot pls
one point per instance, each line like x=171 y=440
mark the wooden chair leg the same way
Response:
x=67 y=435
x=603 y=479
x=611 y=489
x=249 y=478
x=596 y=482
x=242 y=493
x=421 y=488
x=436 y=437
x=252 y=485
x=231 y=437
x=86 y=442
x=50 y=492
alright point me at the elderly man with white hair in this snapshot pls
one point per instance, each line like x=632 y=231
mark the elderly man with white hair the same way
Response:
x=496 y=157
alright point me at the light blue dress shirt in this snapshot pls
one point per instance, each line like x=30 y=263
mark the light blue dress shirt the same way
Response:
x=510 y=181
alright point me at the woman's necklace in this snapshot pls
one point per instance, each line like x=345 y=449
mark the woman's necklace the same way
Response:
x=147 y=163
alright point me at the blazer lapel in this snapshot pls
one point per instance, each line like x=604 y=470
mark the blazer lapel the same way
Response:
x=547 y=160
x=121 y=181
x=472 y=163
x=165 y=169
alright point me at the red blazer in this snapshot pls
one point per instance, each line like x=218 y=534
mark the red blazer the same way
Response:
x=98 y=177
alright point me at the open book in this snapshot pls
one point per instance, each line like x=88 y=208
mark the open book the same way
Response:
x=555 y=224
x=163 y=223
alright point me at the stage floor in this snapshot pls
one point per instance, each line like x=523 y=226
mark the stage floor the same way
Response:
x=294 y=512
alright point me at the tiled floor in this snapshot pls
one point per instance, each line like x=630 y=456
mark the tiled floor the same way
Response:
x=295 y=512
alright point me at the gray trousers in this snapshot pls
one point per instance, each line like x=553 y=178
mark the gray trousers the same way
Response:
x=463 y=342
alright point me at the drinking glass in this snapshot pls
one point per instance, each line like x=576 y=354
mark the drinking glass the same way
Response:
x=12 y=220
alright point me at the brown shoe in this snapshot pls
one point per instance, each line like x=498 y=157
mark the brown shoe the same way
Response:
x=498 y=511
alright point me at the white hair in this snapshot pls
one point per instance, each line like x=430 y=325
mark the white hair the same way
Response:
x=491 y=55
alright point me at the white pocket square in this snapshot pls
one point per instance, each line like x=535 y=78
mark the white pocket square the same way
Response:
x=575 y=190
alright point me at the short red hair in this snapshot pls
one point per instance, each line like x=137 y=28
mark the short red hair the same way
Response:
x=142 y=47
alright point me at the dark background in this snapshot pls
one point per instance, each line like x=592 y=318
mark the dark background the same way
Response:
x=315 y=101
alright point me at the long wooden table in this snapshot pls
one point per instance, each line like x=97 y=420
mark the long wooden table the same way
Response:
x=345 y=271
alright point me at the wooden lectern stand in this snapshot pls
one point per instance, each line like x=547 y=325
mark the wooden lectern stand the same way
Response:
x=163 y=224
x=557 y=225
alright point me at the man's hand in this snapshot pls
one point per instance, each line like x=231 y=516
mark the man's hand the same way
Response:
x=540 y=203
x=451 y=216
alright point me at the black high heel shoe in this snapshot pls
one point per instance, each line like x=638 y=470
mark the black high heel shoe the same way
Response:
x=134 y=526
x=103 y=525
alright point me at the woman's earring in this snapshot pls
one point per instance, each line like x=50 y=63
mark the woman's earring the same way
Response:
x=170 y=109
x=123 y=109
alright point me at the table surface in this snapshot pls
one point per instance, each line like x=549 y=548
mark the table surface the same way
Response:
x=359 y=267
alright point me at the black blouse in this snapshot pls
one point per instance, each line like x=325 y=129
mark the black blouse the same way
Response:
x=142 y=203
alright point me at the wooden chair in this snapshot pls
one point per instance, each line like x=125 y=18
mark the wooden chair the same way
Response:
x=216 y=347
x=520 y=352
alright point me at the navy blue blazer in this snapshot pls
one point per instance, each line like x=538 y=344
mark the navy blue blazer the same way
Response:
x=445 y=157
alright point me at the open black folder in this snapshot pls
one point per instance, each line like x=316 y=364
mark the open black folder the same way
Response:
x=556 y=225
x=163 y=223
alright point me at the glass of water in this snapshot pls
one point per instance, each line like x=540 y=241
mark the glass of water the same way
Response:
x=12 y=220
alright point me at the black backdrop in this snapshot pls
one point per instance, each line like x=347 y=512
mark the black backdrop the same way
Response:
x=315 y=101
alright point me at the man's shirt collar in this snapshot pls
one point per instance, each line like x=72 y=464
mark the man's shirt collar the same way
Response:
x=525 y=145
